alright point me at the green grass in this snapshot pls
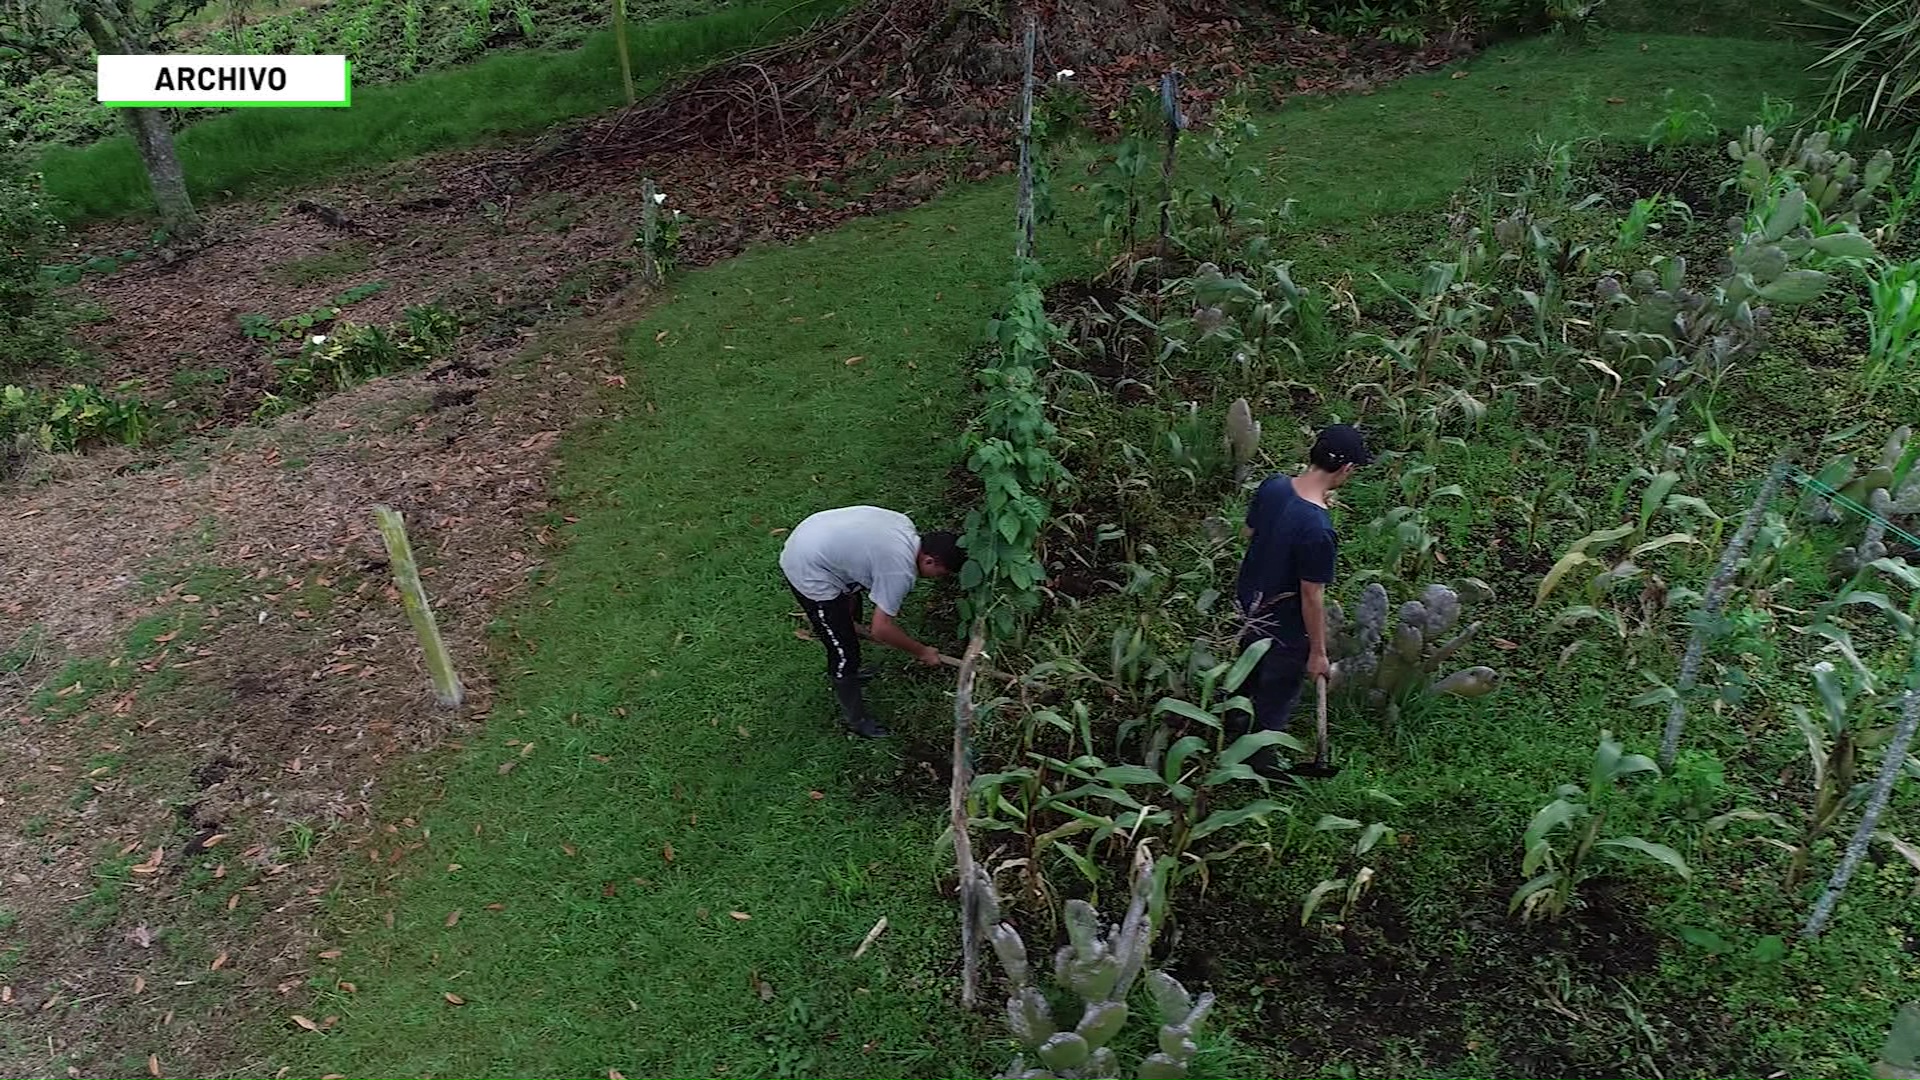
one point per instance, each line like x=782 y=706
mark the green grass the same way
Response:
x=251 y=152
x=661 y=644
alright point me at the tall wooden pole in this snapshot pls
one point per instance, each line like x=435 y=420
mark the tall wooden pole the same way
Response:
x=1023 y=247
x=1717 y=588
x=406 y=574
x=976 y=914
x=1891 y=766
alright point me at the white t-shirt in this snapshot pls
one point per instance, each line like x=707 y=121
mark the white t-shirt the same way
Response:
x=835 y=550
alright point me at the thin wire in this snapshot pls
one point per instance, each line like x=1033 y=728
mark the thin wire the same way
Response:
x=1849 y=504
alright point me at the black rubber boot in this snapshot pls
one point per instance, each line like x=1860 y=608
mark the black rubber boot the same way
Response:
x=853 y=711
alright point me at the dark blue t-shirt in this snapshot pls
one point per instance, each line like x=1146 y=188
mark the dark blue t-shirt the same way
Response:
x=1293 y=541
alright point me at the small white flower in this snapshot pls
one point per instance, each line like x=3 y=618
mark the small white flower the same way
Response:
x=319 y=339
x=1063 y=75
x=659 y=197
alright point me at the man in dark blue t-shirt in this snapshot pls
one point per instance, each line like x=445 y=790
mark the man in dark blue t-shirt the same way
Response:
x=1284 y=577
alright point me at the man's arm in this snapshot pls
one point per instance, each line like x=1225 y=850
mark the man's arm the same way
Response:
x=887 y=632
x=1313 y=612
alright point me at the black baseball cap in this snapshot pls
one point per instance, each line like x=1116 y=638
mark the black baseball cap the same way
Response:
x=1341 y=444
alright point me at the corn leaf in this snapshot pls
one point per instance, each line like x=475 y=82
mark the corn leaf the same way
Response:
x=1244 y=665
x=1551 y=816
x=1319 y=893
x=1186 y=710
x=1560 y=570
x=1177 y=756
x=1521 y=895
x=1664 y=541
x=1239 y=815
x=1660 y=853
x=1373 y=835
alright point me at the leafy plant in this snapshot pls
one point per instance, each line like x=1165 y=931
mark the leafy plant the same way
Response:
x=1833 y=745
x=1872 y=50
x=1893 y=322
x=1352 y=887
x=353 y=353
x=1685 y=120
x=261 y=328
x=74 y=417
x=1012 y=455
x=1556 y=865
x=1647 y=215
x=31 y=321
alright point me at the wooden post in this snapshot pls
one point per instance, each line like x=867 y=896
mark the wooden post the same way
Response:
x=1023 y=246
x=1170 y=105
x=1717 y=588
x=406 y=575
x=1891 y=766
x=649 y=233
x=620 y=43
x=975 y=891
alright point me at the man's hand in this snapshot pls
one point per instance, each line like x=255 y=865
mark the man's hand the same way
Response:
x=929 y=656
x=1317 y=666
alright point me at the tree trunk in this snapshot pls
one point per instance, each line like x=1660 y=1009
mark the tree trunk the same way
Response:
x=155 y=142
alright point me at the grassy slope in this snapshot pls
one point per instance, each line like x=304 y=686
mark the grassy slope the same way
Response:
x=255 y=151
x=668 y=605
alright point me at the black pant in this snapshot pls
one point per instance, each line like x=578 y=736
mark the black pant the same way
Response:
x=833 y=622
x=1274 y=685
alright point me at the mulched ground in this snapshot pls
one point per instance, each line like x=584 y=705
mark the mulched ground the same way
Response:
x=200 y=772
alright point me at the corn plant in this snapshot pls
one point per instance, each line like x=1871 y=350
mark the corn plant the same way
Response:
x=523 y=17
x=1117 y=194
x=1648 y=215
x=1834 y=744
x=1541 y=501
x=1611 y=574
x=1353 y=887
x=1554 y=864
x=1095 y=970
x=1893 y=322
x=1683 y=122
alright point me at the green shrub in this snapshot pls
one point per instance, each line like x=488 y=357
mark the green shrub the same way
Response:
x=72 y=418
x=351 y=353
x=30 y=329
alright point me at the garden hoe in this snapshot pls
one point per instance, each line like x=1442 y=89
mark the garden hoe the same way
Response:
x=1319 y=768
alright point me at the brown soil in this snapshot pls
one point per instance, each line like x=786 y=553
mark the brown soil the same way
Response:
x=178 y=809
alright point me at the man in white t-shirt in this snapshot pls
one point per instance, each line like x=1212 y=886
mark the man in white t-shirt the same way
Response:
x=833 y=557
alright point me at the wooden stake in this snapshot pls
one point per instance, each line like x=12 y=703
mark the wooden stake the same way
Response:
x=975 y=890
x=649 y=232
x=406 y=574
x=1718 y=587
x=1170 y=105
x=1891 y=766
x=1023 y=245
